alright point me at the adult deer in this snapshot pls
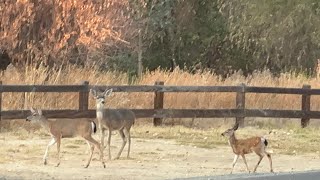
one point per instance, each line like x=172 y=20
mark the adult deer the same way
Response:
x=66 y=128
x=241 y=147
x=113 y=119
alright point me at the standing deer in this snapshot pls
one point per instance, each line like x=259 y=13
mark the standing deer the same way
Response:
x=66 y=128
x=111 y=119
x=246 y=146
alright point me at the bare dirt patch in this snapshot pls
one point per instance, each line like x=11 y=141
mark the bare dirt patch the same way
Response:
x=21 y=158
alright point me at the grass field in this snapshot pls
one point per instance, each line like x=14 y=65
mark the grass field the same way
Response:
x=203 y=132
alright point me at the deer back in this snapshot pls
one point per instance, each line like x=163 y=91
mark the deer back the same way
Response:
x=248 y=145
x=70 y=127
x=116 y=119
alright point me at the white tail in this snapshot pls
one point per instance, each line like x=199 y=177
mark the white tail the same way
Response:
x=241 y=147
x=121 y=120
x=64 y=128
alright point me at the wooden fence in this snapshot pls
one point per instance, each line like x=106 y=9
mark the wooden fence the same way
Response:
x=158 y=113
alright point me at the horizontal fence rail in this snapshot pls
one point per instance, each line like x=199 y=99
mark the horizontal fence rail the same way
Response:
x=171 y=113
x=158 y=112
x=157 y=88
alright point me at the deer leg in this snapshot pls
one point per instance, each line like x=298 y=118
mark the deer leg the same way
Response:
x=124 y=141
x=102 y=137
x=91 y=147
x=58 y=150
x=128 y=135
x=245 y=162
x=109 y=141
x=260 y=158
x=234 y=162
x=270 y=161
x=93 y=143
x=52 y=142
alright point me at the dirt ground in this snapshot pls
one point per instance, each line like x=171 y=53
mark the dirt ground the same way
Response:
x=21 y=158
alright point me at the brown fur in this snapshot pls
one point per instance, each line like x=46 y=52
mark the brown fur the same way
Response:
x=66 y=128
x=241 y=147
x=120 y=120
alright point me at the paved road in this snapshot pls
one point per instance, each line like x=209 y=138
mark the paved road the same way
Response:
x=306 y=175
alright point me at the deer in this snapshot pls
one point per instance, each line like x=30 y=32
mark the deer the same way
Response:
x=66 y=128
x=241 y=147
x=120 y=120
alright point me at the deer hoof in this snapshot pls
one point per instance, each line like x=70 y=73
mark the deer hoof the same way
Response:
x=45 y=162
x=86 y=166
x=57 y=165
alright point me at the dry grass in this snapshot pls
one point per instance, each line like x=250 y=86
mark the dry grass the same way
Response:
x=292 y=140
x=297 y=140
x=74 y=75
x=289 y=140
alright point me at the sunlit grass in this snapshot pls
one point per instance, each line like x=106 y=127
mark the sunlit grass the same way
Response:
x=283 y=141
x=75 y=75
x=205 y=133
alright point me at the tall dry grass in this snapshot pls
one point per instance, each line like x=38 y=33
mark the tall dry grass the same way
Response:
x=74 y=75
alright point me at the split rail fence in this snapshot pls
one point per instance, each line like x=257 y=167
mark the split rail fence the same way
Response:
x=158 y=112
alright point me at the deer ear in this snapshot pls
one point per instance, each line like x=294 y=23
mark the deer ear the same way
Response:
x=40 y=112
x=93 y=92
x=32 y=110
x=107 y=92
x=235 y=127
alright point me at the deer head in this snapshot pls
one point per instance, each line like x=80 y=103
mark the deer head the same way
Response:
x=100 y=96
x=230 y=132
x=36 y=115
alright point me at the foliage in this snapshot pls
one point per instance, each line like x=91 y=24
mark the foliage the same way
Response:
x=282 y=35
x=60 y=31
x=219 y=35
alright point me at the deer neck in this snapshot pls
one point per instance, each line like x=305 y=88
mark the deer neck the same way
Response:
x=100 y=106
x=233 y=141
x=100 y=110
x=45 y=123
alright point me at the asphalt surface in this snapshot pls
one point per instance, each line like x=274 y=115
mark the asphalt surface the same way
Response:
x=306 y=175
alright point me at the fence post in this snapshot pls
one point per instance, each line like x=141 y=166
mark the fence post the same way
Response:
x=305 y=106
x=84 y=96
x=158 y=104
x=240 y=104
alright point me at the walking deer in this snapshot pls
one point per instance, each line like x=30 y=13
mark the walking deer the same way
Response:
x=111 y=119
x=66 y=128
x=241 y=147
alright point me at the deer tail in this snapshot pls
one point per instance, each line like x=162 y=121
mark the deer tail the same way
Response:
x=264 y=141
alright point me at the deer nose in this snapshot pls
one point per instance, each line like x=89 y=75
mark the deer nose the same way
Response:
x=222 y=134
x=102 y=102
x=27 y=119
